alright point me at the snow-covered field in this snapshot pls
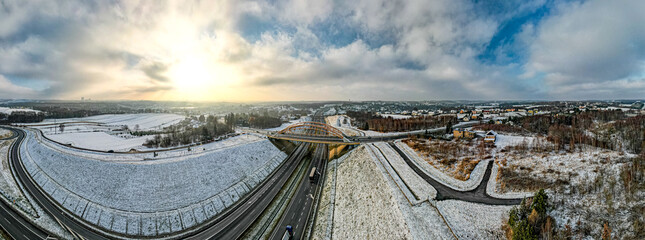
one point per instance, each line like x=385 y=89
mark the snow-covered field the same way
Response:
x=161 y=156
x=98 y=132
x=396 y=116
x=100 y=141
x=146 y=121
x=150 y=198
x=474 y=221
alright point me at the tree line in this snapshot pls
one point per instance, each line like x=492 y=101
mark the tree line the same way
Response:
x=252 y=120
x=22 y=117
x=390 y=124
x=185 y=133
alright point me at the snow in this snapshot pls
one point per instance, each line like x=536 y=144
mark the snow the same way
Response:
x=356 y=176
x=100 y=141
x=162 y=155
x=396 y=116
x=12 y=194
x=473 y=220
x=8 y=111
x=146 y=121
x=140 y=192
x=422 y=190
x=365 y=207
x=285 y=125
x=339 y=121
x=502 y=141
x=98 y=132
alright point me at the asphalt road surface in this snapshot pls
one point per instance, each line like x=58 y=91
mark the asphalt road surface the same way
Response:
x=41 y=199
x=237 y=222
x=301 y=204
x=477 y=195
x=230 y=225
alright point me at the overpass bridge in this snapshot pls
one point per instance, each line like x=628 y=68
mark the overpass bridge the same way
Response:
x=313 y=132
x=317 y=132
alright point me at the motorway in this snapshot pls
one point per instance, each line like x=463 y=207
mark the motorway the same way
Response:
x=41 y=198
x=300 y=206
x=12 y=222
x=229 y=225
x=237 y=219
x=237 y=222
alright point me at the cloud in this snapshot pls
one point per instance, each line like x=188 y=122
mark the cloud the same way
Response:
x=303 y=50
x=10 y=90
x=590 y=42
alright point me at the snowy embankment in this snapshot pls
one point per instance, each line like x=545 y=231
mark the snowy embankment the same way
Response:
x=474 y=221
x=150 y=198
x=12 y=194
x=365 y=207
x=475 y=176
x=419 y=187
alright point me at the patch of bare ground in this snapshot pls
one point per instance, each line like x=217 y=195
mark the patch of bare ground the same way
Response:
x=456 y=158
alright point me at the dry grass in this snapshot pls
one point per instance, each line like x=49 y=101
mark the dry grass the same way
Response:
x=456 y=158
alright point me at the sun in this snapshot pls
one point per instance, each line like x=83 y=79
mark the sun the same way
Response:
x=199 y=77
x=192 y=73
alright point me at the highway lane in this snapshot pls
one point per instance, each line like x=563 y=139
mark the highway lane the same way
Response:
x=301 y=204
x=16 y=226
x=230 y=225
x=300 y=207
x=41 y=199
x=237 y=222
x=477 y=195
x=12 y=222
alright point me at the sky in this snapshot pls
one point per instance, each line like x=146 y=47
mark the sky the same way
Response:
x=290 y=50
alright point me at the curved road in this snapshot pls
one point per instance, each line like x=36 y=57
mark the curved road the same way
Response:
x=228 y=225
x=12 y=222
x=477 y=195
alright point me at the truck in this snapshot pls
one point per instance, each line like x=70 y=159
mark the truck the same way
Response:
x=288 y=234
x=313 y=175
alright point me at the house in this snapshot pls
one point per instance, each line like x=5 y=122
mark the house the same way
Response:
x=462 y=133
x=491 y=136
